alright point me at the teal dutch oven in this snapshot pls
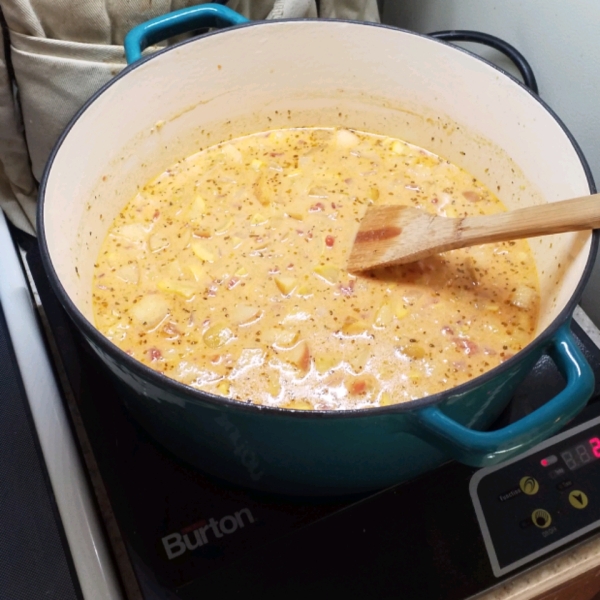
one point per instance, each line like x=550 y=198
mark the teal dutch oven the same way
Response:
x=246 y=77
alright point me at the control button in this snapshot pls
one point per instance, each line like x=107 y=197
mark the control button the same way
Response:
x=563 y=485
x=529 y=486
x=541 y=518
x=578 y=499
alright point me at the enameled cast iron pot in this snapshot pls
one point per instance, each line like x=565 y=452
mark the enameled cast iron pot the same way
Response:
x=257 y=76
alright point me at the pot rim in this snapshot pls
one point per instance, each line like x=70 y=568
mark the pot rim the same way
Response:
x=198 y=396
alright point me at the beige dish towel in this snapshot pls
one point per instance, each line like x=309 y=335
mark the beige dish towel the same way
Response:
x=62 y=51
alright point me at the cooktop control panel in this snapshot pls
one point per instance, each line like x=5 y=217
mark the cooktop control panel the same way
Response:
x=541 y=500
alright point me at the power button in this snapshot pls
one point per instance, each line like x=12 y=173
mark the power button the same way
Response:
x=541 y=518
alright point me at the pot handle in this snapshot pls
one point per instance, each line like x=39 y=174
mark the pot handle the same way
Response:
x=493 y=42
x=177 y=22
x=480 y=449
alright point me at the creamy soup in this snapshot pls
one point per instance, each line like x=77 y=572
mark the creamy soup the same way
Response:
x=227 y=273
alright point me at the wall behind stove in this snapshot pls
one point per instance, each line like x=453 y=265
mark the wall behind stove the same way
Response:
x=561 y=41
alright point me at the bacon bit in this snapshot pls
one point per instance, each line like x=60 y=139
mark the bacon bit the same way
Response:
x=447 y=330
x=348 y=181
x=358 y=387
x=304 y=360
x=155 y=354
x=333 y=205
x=171 y=329
x=300 y=231
x=206 y=322
x=472 y=196
x=309 y=235
x=156 y=214
x=215 y=359
x=329 y=241
x=232 y=282
x=211 y=292
x=290 y=266
x=273 y=154
x=273 y=270
x=468 y=346
x=361 y=385
x=348 y=289
x=317 y=207
x=130 y=352
x=434 y=201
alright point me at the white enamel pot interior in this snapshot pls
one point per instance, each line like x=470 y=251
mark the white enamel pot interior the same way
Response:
x=309 y=73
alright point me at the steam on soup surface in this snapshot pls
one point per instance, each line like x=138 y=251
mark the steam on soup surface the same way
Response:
x=227 y=273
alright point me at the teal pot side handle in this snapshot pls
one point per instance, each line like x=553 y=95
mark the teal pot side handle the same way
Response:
x=480 y=449
x=178 y=22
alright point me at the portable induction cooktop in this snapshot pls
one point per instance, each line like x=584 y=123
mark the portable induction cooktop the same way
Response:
x=450 y=534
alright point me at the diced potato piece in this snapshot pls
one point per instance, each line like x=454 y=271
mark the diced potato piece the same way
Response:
x=225 y=228
x=181 y=288
x=415 y=351
x=285 y=284
x=359 y=359
x=329 y=273
x=294 y=173
x=150 y=310
x=202 y=252
x=273 y=385
x=197 y=208
x=400 y=147
x=346 y=139
x=244 y=313
x=197 y=271
x=298 y=405
x=223 y=387
x=299 y=356
x=523 y=297
x=385 y=399
x=217 y=335
x=236 y=241
x=296 y=214
x=399 y=311
x=158 y=242
x=384 y=316
x=257 y=164
x=326 y=362
x=258 y=219
x=232 y=152
x=113 y=259
x=174 y=270
x=304 y=290
x=415 y=375
x=129 y=273
x=361 y=385
x=283 y=338
x=241 y=272
x=354 y=326
x=134 y=232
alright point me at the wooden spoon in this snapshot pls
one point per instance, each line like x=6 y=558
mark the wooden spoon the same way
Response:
x=395 y=235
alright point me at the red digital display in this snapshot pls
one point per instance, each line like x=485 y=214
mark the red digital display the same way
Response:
x=581 y=454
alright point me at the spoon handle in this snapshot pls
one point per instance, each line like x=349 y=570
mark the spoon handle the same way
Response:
x=543 y=219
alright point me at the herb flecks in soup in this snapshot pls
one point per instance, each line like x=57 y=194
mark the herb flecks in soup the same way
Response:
x=227 y=273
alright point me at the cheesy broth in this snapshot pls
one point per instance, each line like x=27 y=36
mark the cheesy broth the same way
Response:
x=227 y=273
